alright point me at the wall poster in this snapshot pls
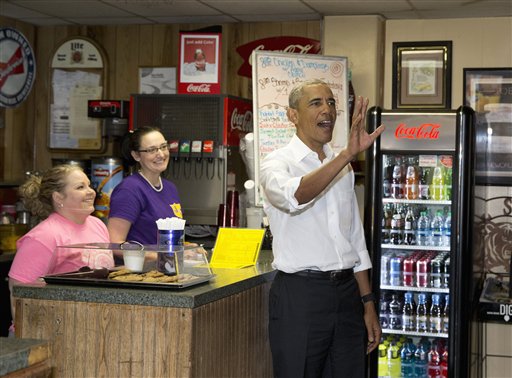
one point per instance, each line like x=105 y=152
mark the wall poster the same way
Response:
x=77 y=75
x=274 y=75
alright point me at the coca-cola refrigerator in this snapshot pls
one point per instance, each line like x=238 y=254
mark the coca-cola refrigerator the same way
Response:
x=418 y=219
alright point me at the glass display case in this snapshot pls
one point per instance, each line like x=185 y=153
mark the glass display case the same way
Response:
x=143 y=266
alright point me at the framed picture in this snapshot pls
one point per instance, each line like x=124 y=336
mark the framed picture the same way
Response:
x=422 y=75
x=489 y=92
x=199 y=63
x=157 y=80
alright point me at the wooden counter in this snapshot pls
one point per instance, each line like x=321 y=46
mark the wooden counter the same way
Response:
x=217 y=329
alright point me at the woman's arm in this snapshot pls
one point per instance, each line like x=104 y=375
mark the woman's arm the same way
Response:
x=118 y=229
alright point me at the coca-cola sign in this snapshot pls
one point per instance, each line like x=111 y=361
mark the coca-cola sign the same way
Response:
x=198 y=88
x=297 y=45
x=423 y=131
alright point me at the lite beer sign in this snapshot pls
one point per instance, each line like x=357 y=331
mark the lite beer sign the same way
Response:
x=423 y=131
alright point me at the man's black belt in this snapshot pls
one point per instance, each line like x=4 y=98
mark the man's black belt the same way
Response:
x=332 y=275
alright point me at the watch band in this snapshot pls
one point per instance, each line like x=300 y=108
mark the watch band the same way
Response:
x=368 y=298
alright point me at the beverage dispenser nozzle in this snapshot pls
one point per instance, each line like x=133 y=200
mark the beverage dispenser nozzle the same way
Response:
x=174 y=149
x=185 y=153
x=197 y=152
x=208 y=153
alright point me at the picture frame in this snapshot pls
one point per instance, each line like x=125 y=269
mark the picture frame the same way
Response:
x=422 y=75
x=157 y=80
x=488 y=91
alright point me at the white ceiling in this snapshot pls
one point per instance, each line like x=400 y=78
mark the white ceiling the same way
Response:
x=115 y=12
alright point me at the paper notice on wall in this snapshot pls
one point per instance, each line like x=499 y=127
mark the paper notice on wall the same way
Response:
x=81 y=126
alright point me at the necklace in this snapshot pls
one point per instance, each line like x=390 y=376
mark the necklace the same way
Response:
x=160 y=185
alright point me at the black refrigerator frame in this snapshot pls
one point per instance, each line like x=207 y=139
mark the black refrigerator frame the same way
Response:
x=462 y=288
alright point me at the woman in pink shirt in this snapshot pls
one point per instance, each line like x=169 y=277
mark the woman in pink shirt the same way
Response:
x=63 y=197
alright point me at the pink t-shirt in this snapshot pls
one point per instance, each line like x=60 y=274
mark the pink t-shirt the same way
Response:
x=37 y=256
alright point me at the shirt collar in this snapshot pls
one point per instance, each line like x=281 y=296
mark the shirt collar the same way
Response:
x=300 y=150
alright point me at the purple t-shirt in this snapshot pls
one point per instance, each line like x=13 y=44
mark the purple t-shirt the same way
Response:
x=134 y=200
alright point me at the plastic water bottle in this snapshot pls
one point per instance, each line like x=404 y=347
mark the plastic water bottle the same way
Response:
x=408 y=313
x=422 y=314
x=436 y=229
x=423 y=230
x=447 y=230
x=436 y=317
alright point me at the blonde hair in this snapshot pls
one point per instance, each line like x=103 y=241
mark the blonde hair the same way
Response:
x=36 y=193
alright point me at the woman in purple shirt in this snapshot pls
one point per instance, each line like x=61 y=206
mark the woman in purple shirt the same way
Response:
x=144 y=197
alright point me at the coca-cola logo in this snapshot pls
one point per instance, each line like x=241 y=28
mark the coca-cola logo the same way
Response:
x=424 y=131
x=298 y=45
x=241 y=121
x=200 y=88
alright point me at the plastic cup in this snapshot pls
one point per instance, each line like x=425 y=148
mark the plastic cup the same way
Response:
x=134 y=260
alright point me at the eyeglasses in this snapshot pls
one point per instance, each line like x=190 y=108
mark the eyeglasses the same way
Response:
x=154 y=150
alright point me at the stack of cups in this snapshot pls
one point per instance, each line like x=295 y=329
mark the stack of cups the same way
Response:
x=170 y=240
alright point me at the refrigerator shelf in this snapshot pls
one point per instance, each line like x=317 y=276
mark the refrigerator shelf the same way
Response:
x=415 y=288
x=414 y=247
x=412 y=333
x=418 y=201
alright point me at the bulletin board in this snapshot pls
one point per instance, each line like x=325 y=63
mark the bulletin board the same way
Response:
x=77 y=75
x=274 y=74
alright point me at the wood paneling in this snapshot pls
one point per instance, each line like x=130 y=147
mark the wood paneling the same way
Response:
x=226 y=338
x=25 y=138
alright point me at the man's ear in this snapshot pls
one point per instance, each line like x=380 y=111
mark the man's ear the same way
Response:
x=293 y=116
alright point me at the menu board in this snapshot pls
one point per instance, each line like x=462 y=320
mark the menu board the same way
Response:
x=274 y=74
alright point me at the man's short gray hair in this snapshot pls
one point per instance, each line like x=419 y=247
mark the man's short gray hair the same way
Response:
x=298 y=90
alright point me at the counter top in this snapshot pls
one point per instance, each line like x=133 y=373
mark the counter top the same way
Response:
x=17 y=354
x=226 y=282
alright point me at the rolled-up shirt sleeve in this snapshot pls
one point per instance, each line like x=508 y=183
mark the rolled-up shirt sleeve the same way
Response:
x=279 y=185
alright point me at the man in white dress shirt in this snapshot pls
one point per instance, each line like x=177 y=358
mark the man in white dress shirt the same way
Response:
x=322 y=317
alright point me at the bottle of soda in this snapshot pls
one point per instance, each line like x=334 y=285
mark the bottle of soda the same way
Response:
x=395 y=313
x=444 y=362
x=408 y=271
x=436 y=320
x=408 y=313
x=446 y=314
x=420 y=360
x=424 y=184
x=386 y=226
x=411 y=183
x=395 y=235
x=395 y=270
x=447 y=230
x=434 y=360
x=384 y=310
x=446 y=273
x=422 y=313
x=397 y=185
x=437 y=187
x=423 y=231
x=387 y=177
x=436 y=269
x=409 y=231
x=436 y=229
x=448 y=184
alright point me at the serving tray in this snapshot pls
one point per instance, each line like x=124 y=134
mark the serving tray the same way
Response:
x=99 y=277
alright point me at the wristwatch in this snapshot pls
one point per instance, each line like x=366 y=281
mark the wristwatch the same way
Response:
x=368 y=298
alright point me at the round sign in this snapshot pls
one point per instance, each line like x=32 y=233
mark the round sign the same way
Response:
x=17 y=68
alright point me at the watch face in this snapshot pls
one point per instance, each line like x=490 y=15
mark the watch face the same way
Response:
x=18 y=67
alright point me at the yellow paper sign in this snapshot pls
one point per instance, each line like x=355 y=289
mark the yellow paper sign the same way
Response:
x=237 y=247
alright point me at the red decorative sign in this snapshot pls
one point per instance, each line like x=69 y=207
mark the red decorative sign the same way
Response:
x=424 y=131
x=297 y=45
x=199 y=64
x=238 y=120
